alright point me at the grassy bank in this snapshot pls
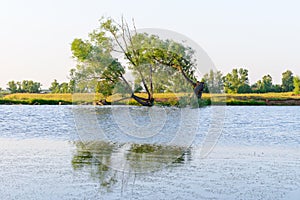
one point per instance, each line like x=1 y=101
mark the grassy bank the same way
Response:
x=166 y=99
x=287 y=98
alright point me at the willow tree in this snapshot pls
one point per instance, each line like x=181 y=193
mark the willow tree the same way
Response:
x=157 y=64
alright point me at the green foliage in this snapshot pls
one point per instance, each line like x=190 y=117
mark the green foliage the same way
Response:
x=277 y=88
x=96 y=69
x=265 y=85
x=296 y=85
x=244 y=88
x=34 y=102
x=54 y=87
x=63 y=87
x=104 y=88
x=213 y=82
x=243 y=102
x=137 y=88
x=156 y=64
x=12 y=87
x=287 y=81
x=193 y=102
x=235 y=80
x=81 y=49
x=26 y=86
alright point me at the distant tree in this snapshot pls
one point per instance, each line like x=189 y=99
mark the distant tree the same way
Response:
x=238 y=78
x=24 y=86
x=296 y=85
x=254 y=87
x=36 y=88
x=244 y=88
x=287 y=81
x=264 y=85
x=72 y=86
x=267 y=85
x=64 y=88
x=32 y=87
x=29 y=86
x=55 y=87
x=19 y=85
x=12 y=87
x=277 y=88
x=213 y=82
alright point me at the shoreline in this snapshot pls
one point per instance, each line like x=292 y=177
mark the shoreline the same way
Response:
x=162 y=99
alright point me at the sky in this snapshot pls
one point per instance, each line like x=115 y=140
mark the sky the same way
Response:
x=260 y=35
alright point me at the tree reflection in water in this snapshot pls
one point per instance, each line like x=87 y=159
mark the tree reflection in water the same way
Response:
x=112 y=162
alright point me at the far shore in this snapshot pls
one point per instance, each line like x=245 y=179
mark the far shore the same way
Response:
x=163 y=99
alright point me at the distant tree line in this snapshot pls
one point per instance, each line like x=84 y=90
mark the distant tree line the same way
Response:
x=237 y=82
x=26 y=86
x=62 y=87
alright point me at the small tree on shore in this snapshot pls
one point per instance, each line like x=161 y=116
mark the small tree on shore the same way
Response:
x=287 y=81
x=296 y=81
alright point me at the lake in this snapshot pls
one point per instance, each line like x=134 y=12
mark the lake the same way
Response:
x=69 y=152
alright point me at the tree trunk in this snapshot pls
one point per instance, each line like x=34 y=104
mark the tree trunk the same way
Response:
x=198 y=86
x=198 y=89
x=143 y=101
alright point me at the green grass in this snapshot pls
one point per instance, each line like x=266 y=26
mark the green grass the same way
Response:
x=163 y=99
x=49 y=99
x=287 y=98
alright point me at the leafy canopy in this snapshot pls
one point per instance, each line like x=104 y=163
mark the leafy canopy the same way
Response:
x=112 y=49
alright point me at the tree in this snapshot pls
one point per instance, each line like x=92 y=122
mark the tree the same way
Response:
x=236 y=81
x=296 y=85
x=244 y=88
x=55 y=87
x=19 y=85
x=155 y=63
x=267 y=85
x=277 y=88
x=12 y=87
x=32 y=87
x=287 y=81
x=213 y=82
x=72 y=86
x=64 y=87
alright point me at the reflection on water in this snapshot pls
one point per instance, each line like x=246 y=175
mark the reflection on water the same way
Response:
x=86 y=156
x=107 y=160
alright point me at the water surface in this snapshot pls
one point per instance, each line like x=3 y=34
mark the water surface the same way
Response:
x=256 y=157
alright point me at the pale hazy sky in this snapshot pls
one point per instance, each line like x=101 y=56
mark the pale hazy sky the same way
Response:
x=260 y=35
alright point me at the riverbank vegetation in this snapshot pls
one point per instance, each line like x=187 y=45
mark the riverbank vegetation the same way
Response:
x=164 y=99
